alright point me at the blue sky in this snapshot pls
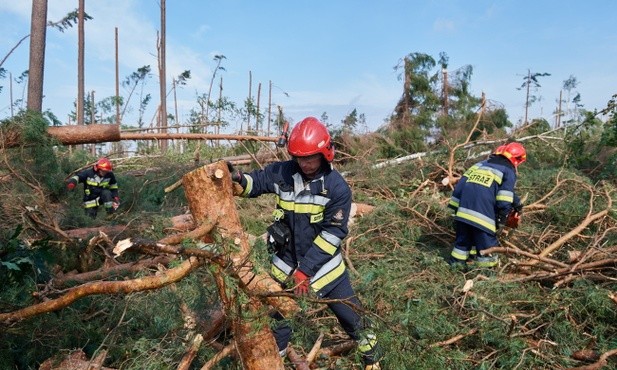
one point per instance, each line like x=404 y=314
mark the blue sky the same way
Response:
x=327 y=55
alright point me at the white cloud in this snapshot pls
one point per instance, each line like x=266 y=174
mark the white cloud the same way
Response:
x=444 y=25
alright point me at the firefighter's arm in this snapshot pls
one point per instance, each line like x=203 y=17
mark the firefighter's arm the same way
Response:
x=333 y=229
x=72 y=183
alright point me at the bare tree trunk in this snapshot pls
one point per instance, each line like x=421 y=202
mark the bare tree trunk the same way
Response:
x=257 y=118
x=38 y=29
x=80 y=63
x=117 y=80
x=162 y=78
x=527 y=96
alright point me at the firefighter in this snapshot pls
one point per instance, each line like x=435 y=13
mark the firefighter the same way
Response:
x=482 y=201
x=310 y=222
x=100 y=187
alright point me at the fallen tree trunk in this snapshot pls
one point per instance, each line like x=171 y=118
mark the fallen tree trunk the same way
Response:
x=99 y=133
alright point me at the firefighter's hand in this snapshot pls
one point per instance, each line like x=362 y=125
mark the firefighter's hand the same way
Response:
x=518 y=208
x=70 y=186
x=236 y=175
x=301 y=283
x=116 y=203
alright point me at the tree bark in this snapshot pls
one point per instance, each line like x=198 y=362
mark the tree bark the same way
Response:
x=36 y=68
x=209 y=192
x=97 y=133
x=105 y=287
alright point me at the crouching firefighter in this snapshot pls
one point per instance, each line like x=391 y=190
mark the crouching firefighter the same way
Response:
x=312 y=211
x=100 y=187
x=483 y=201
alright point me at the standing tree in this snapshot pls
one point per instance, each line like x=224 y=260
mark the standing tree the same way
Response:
x=137 y=78
x=80 y=63
x=572 y=97
x=37 y=56
x=162 y=78
x=531 y=79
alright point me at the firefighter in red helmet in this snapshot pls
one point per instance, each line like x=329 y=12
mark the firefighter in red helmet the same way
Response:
x=483 y=201
x=100 y=187
x=310 y=223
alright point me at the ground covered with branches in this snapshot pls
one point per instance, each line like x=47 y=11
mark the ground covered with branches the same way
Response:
x=550 y=304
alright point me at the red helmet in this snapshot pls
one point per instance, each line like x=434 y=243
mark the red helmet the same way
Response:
x=310 y=137
x=103 y=164
x=515 y=152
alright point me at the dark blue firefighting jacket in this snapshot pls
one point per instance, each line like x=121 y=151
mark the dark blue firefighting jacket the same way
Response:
x=94 y=185
x=484 y=196
x=317 y=213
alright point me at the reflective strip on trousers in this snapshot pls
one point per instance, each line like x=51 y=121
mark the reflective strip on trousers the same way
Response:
x=460 y=254
x=91 y=203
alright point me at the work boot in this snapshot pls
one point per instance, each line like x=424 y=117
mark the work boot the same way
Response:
x=91 y=212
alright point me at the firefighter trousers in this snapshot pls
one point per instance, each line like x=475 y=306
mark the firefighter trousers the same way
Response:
x=346 y=312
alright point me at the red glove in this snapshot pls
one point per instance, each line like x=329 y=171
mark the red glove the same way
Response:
x=301 y=282
x=513 y=219
x=70 y=186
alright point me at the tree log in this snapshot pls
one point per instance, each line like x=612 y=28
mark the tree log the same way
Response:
x=209 y=193
x=84 y=134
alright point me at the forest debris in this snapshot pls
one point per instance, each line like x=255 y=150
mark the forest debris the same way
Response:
x=468 y=285
x=104 y=287
x=310 y=357
x=298 y=361
x=85 y=232
x=587 y=355
x=108 y=272
x=77 y=360
x=228 y=350
x=454 y=339
x=582 y=226
x=603 y=361
x=189 y=356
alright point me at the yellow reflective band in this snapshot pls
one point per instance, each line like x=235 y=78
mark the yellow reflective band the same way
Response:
x=278 y=274
x=453 y=203
x=308 y=208
x=284 y=204
x=487 y=262
x=312 y=209
x=114 y=187
x=476 y=220
x=504 y=198
x=249 y=186
x=328 y=277
x=91 y=203
x=367 y=343
x=458 y=256
x=324 y=245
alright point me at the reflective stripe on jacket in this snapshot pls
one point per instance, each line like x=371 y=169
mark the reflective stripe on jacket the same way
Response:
x=485 y=193
x=95 y=184
x=317 y=213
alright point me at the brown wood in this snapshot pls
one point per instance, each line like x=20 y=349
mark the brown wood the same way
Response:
x=99 y=133
x=209 y=193
x=72 y=135
x=104 y=287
